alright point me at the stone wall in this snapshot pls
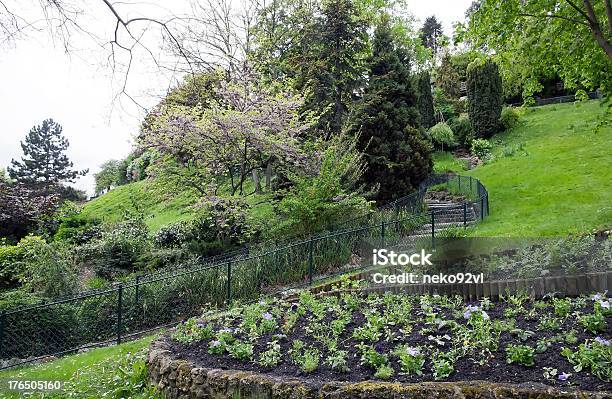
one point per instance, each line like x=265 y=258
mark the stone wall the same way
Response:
x=177 y=378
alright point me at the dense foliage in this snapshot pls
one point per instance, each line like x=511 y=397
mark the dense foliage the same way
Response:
x=540 y=39
x=387 y=124
x=485 y=97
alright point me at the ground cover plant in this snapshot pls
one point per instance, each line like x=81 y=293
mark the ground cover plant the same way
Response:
x=563 y=342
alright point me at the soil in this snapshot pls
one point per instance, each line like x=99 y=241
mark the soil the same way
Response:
x=495 y=370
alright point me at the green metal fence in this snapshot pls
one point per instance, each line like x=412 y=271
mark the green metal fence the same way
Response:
x=155 y=300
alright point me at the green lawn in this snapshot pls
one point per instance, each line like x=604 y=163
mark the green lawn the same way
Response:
x=111 y=372
x=445 y=162
x=552 y=175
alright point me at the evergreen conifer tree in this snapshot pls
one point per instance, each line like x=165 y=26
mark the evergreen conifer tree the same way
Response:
x=44 y=164
x=333 y=68
x=426 y=106
x=485 y=97
x=398 y=159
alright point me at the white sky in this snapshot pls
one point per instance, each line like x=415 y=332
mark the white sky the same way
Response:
x=38 y=80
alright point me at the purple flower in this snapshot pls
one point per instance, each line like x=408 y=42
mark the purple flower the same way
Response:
x=564 y=376
x=604 y=304
x=267 y=316
x=412 y=351
x=602 y=341
x=294 y=307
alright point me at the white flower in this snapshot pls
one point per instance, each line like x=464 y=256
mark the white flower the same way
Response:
x=412 y=351
x=267 y=316
x=262 y=303
x=604 y=304
x=485 y=316
x=215 y=343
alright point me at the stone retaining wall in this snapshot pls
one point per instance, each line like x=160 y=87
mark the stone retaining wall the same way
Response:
x=177 y=378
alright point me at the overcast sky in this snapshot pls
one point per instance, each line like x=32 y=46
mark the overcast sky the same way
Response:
x=38 y=80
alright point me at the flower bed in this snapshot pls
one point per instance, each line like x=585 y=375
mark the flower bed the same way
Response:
x=564 y=343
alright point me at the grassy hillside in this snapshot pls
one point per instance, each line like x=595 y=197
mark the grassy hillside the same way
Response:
x=551 y=175
x=113 y=372
x=158 y=207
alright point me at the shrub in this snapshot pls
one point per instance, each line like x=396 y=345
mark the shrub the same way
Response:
x=441 y=134
x=118 y=248
x=509 y=118
x=463 y=131
x=48 y=269
x=172 y=236
x=485 y=97
x=481 y=148
x=316 y=202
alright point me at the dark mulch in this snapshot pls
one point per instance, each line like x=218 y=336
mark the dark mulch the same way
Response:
x=496 y=370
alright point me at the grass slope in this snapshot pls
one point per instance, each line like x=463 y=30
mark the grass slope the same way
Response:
x=551 y=175
x=158 y=207
x=111 y=372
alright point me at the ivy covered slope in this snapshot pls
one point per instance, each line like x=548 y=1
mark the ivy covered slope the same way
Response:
x=159 y=206
x=550 y=175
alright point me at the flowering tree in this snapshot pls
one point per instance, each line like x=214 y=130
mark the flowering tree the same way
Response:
x=248 y=129
x=21 y=208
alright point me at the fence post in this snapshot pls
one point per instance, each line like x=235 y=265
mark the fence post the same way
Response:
x=487 y=198
x=382 y=234
x=310 y=261
x=481 y=208
x=137 y=289
x=470 y=185
x=119 y=312
x=433 y=230
x=229 y=282
x=464 y=215
x=459 y=178
x=2 y=326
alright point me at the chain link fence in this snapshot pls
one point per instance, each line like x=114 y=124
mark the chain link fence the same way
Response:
x=160 y=299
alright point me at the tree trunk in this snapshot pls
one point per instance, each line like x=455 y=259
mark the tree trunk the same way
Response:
x=596 y=28
x=256 y=181
x=269 y=175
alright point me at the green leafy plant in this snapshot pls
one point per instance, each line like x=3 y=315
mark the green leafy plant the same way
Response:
x=442 y=365
x=594 y=322
x=384 y=372
x=240 y=350
x=370 y=357
x=192 y=330
x=412 y=359
x=272 y=356
x=520 y=354
x=481 y=148
x=592 y=355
